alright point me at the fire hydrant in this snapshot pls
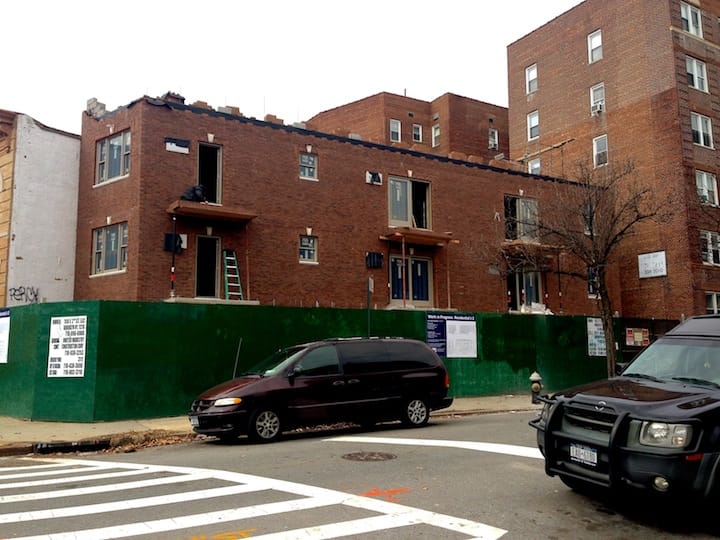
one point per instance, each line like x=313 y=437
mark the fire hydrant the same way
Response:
x=535 y=386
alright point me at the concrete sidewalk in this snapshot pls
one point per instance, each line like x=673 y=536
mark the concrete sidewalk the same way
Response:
x=18 y=436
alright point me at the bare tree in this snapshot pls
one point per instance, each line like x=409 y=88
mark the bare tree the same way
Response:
x=592 y=221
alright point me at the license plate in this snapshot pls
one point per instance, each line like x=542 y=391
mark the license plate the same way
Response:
x=194 y=422
x=583 y=454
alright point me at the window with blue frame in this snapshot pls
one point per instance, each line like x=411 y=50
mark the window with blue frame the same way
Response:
x=416 y=276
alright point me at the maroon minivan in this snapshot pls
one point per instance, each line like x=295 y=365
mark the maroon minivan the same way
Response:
x=360 y=380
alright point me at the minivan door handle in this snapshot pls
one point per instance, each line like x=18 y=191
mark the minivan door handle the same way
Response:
x=353 y=381
x=338 y=383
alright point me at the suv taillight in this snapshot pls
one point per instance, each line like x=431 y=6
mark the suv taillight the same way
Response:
x=447 y=380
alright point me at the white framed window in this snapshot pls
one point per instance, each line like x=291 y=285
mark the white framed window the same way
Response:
x=597 y=98
x=533 y=125
x=534 y=166
x=691 y=19
x=696 y=73
x=701 y=130
x=492 y=139
x=706 y=187
x=712 y=301
x=417 y=133
x=595 y=51
x=521 y=218
x=395 y=130
x=112 y=157
x=531 y=79
x=308 y=248
x=409 y=203
x=436 y=135
x=600 y=151
x=110 y=248
x=308 y=166
x=710 y=247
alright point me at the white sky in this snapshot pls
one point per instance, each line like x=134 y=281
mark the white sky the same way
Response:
x=290 y=58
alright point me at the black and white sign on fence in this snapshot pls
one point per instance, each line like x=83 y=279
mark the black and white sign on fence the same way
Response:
x=66 y=357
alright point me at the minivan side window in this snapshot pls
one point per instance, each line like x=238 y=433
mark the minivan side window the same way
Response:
x=363 y=357
x=410 y=355
x=320 y=361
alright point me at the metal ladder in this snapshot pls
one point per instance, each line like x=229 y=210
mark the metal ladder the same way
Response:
x=233 y=287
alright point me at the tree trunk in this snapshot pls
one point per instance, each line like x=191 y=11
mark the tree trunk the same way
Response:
x=606 y=316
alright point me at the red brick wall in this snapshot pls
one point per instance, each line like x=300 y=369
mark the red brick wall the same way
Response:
x=260 y=174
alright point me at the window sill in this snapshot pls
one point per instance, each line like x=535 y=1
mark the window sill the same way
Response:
x=309 y=179
x=310 y=263
x=108 y=273
x=111 y=181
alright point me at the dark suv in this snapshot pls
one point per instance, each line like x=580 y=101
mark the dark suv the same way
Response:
x=654 y=427
x=362 y=380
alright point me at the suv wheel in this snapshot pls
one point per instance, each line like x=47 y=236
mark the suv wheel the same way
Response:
x=416 y=413
x=264 y=425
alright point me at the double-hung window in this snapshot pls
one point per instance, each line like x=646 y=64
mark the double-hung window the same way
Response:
x=308 y=248
x=492 y=139
x=597 y=98
x=110 y=248
x=417 y=133
x=691 y=19
x=409 y=203
x=595 y=51
x=531 y=79
x=710 y=247
x=521 y=218
x=592 y=282
x=395 y=130
x=436 y=135
x=534 y=166
x=696 y=73
x=308 y=166
x=112 y=157
x=701 y=130
x=706 y=187
x=533 y=125
x=600 y=151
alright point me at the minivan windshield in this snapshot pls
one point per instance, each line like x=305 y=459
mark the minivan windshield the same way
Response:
x=277 y=362
x=688 y=360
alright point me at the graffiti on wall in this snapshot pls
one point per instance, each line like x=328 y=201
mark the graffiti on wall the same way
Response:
x=27 y=295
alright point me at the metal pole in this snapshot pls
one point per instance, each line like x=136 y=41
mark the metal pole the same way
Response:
x=172 y=263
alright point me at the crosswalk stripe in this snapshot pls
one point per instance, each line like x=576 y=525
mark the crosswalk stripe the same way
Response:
x=75 y=492
x=129 y=504
x=507 y=449
x=68 y=479
x=35 y=468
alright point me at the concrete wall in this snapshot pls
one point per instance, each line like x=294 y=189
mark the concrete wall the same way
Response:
x=43 y=221
x=145 y=360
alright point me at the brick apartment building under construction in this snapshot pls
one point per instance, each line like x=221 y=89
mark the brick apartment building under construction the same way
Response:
x=411 y=206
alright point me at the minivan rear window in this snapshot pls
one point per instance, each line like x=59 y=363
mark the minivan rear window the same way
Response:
x=410 y=355
x=363 y=357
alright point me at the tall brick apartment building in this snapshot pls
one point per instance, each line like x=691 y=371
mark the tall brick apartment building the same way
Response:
x=309 y=217
x=612 y=80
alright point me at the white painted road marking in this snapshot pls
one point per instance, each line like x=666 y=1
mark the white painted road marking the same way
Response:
x=300 y=497
x=507 y=449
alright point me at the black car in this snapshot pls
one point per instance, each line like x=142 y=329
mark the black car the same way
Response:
x=655 y=427
x=362 y=380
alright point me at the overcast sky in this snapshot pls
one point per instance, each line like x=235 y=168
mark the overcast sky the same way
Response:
x=290 y=58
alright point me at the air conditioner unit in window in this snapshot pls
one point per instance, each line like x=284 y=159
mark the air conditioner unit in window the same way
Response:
x=492 y=146
x=597 y=108
x=372 y=177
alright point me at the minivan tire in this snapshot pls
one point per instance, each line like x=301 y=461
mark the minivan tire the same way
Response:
x=265 y=425
x=416 y=413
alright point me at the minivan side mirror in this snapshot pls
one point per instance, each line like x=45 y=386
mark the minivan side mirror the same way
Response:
x=294 y=372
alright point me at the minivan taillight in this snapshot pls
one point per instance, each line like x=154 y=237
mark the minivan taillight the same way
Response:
x=447 y=380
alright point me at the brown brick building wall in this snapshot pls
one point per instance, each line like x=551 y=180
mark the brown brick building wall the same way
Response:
x=646 y=119
x=350 y=217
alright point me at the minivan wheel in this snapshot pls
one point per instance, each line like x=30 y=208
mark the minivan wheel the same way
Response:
x=416 y=413
x=264 y=425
